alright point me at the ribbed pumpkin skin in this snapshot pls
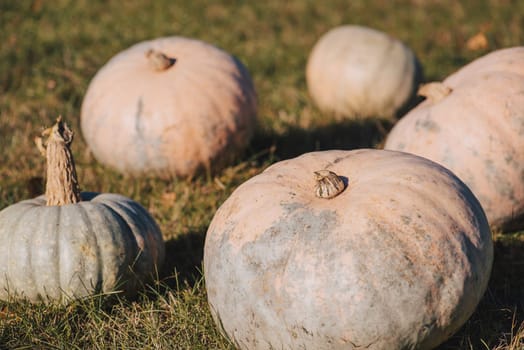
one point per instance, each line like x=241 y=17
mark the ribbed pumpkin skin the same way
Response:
x=359 y=72
x=398 y=260
x=198 y=114
x=106 y=242
x=477 y=131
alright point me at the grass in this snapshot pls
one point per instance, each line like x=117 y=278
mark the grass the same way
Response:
x=51 y=50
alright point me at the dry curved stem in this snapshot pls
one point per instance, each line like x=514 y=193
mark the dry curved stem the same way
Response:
x=61 y=180
x=328 y=184
x=158 y=60
x=434 y=91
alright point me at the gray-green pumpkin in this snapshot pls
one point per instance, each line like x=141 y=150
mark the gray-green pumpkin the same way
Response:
x=68 y=244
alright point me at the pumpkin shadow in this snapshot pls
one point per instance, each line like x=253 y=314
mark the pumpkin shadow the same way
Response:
x=501 y=310
x=342 y=135
x=183 y=261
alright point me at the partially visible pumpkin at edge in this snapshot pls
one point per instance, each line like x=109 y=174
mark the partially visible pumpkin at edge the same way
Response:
x=473 y=124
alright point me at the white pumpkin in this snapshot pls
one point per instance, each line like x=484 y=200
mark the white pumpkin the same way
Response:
x=360 y=72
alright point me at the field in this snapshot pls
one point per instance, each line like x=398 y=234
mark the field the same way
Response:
x=49 y=52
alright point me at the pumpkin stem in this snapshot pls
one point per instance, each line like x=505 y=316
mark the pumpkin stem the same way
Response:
x=158 y=60
x=61 y=183
x=434 y=91
x=328 y=184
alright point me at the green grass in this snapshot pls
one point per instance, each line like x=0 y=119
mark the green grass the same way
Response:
x=50 y=50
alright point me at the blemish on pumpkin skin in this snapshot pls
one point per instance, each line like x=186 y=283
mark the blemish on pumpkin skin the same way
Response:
x=337 y=160
x=502 y=185
x=427 y=124
x=273 y=254
x=138 y=117
x=87 y=251
x=291 y=207
x=272 y=249
x=401 y=146
x=143 y=145
x=140 y=139
x=405 y=219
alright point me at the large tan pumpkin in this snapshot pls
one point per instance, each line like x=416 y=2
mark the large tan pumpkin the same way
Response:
x=398 y=260
x=473 y=123
x=355 y=71
x=169 y=107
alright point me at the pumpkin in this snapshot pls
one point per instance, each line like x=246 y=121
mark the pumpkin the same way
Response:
x=395 y=254
x=359 y=72
x=171 y=106
x=473 y=124
x=69 y=244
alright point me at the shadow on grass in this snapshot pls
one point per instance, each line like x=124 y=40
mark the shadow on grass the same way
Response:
x=344 y=135
x=501 y=311
x=184 y=257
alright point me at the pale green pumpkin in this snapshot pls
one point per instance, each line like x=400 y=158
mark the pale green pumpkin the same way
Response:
x=67 y=244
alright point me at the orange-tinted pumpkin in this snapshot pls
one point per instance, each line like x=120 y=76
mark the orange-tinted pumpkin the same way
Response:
x=473 y=124
x=169 y=107
x=396 y=258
